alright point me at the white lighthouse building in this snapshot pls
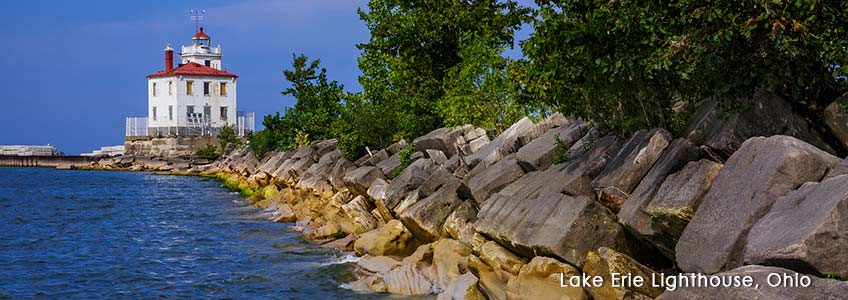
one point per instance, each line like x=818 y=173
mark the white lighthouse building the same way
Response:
x=197 y=97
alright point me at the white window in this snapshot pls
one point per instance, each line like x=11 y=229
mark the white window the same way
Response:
x=154 y=89
x=170 y=88
x=223 y=113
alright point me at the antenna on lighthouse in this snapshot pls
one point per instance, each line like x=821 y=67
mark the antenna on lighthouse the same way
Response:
x=197 y=16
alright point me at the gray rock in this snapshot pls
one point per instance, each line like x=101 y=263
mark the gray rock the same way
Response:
x=633 y=161
x=819 y=289
x=377 y=157
x=571 y=178
x=410 y=179
x=437 y=156
x=539 y=154
x=836 y=119
x=337 y=173
x=550 y=224
x=806 y=230
x=761 y=171
x=632 y=214
x=426 y=217
x=362 y=161
x=509 y=141
x=359 y=180
x=839 y=169
x=358 y=211
x=273 y=162
x=676 y=202
x=442 y=139
x=389 y=164
x=395 y=147
x=485 y=180
x=768 y=115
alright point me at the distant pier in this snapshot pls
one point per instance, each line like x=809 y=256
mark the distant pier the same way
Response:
x=44 y=161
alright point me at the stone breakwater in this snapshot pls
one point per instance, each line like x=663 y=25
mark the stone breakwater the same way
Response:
x=510 y=217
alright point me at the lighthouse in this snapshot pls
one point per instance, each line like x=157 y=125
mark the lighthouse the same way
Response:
x=196 y=97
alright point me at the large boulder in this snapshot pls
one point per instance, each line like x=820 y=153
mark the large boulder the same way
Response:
x=410 y=179
x=459 y=224
x=550 y=224
x=633 y=161
x=360 y=179
x=442 y=139
x=761 y=171
x=606 y=262
x=358 y=211
x=426 y=217
x=508 y=142
x=449 y=261
x=337 y=173
x=836 y=119
x=463 y=287
x=818 y=289
x=388 y=165
x=410 y=279
x=632 y=213
x=539 y=154
x=676 y=202
x=767 y=115
x=540 y=279
x=572 y=178
x=485 y=179
x=390 y=239
x=806 y=230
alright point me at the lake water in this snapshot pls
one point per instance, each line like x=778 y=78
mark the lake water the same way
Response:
x=135 y=235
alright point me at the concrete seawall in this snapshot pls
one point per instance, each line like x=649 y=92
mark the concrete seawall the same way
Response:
x=43 y=161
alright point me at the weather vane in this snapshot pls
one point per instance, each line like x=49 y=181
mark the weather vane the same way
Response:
x=197 y=16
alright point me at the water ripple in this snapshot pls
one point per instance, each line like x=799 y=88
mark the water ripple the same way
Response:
x=125 y=235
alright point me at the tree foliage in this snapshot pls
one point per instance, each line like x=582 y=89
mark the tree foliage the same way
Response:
x=313 y=117
x=625 y=63
x=413 y=47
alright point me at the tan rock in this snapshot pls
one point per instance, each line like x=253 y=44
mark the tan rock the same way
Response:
x=492 y=283
x=450 y=259
x=499 y=257
x=462 y=288
x=373 y=283
x=415 y=279
x=283 y=214
x=423 y=253
x=377 y=264
x=540 y=279
x=390 y=239
x=605 y=262
x=358 y=211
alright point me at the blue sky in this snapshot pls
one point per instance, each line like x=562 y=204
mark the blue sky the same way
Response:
x=74 y=70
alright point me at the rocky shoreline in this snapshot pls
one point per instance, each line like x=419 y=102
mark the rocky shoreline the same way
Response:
x=474 y=218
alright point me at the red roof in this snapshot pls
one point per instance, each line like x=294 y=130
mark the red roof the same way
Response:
x=200 y=35
x=193 y=69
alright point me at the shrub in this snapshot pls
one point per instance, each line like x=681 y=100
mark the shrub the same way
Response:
x=405 y=155
x=560 y=150
x=227 y=135
x=207 y=152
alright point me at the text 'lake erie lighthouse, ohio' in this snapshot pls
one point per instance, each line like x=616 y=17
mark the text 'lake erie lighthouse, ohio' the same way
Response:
x=198 y=97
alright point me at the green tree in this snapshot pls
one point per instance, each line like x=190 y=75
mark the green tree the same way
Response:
x=413 y=46
x=623 y=64
x=227 y=135
x=481 y=90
